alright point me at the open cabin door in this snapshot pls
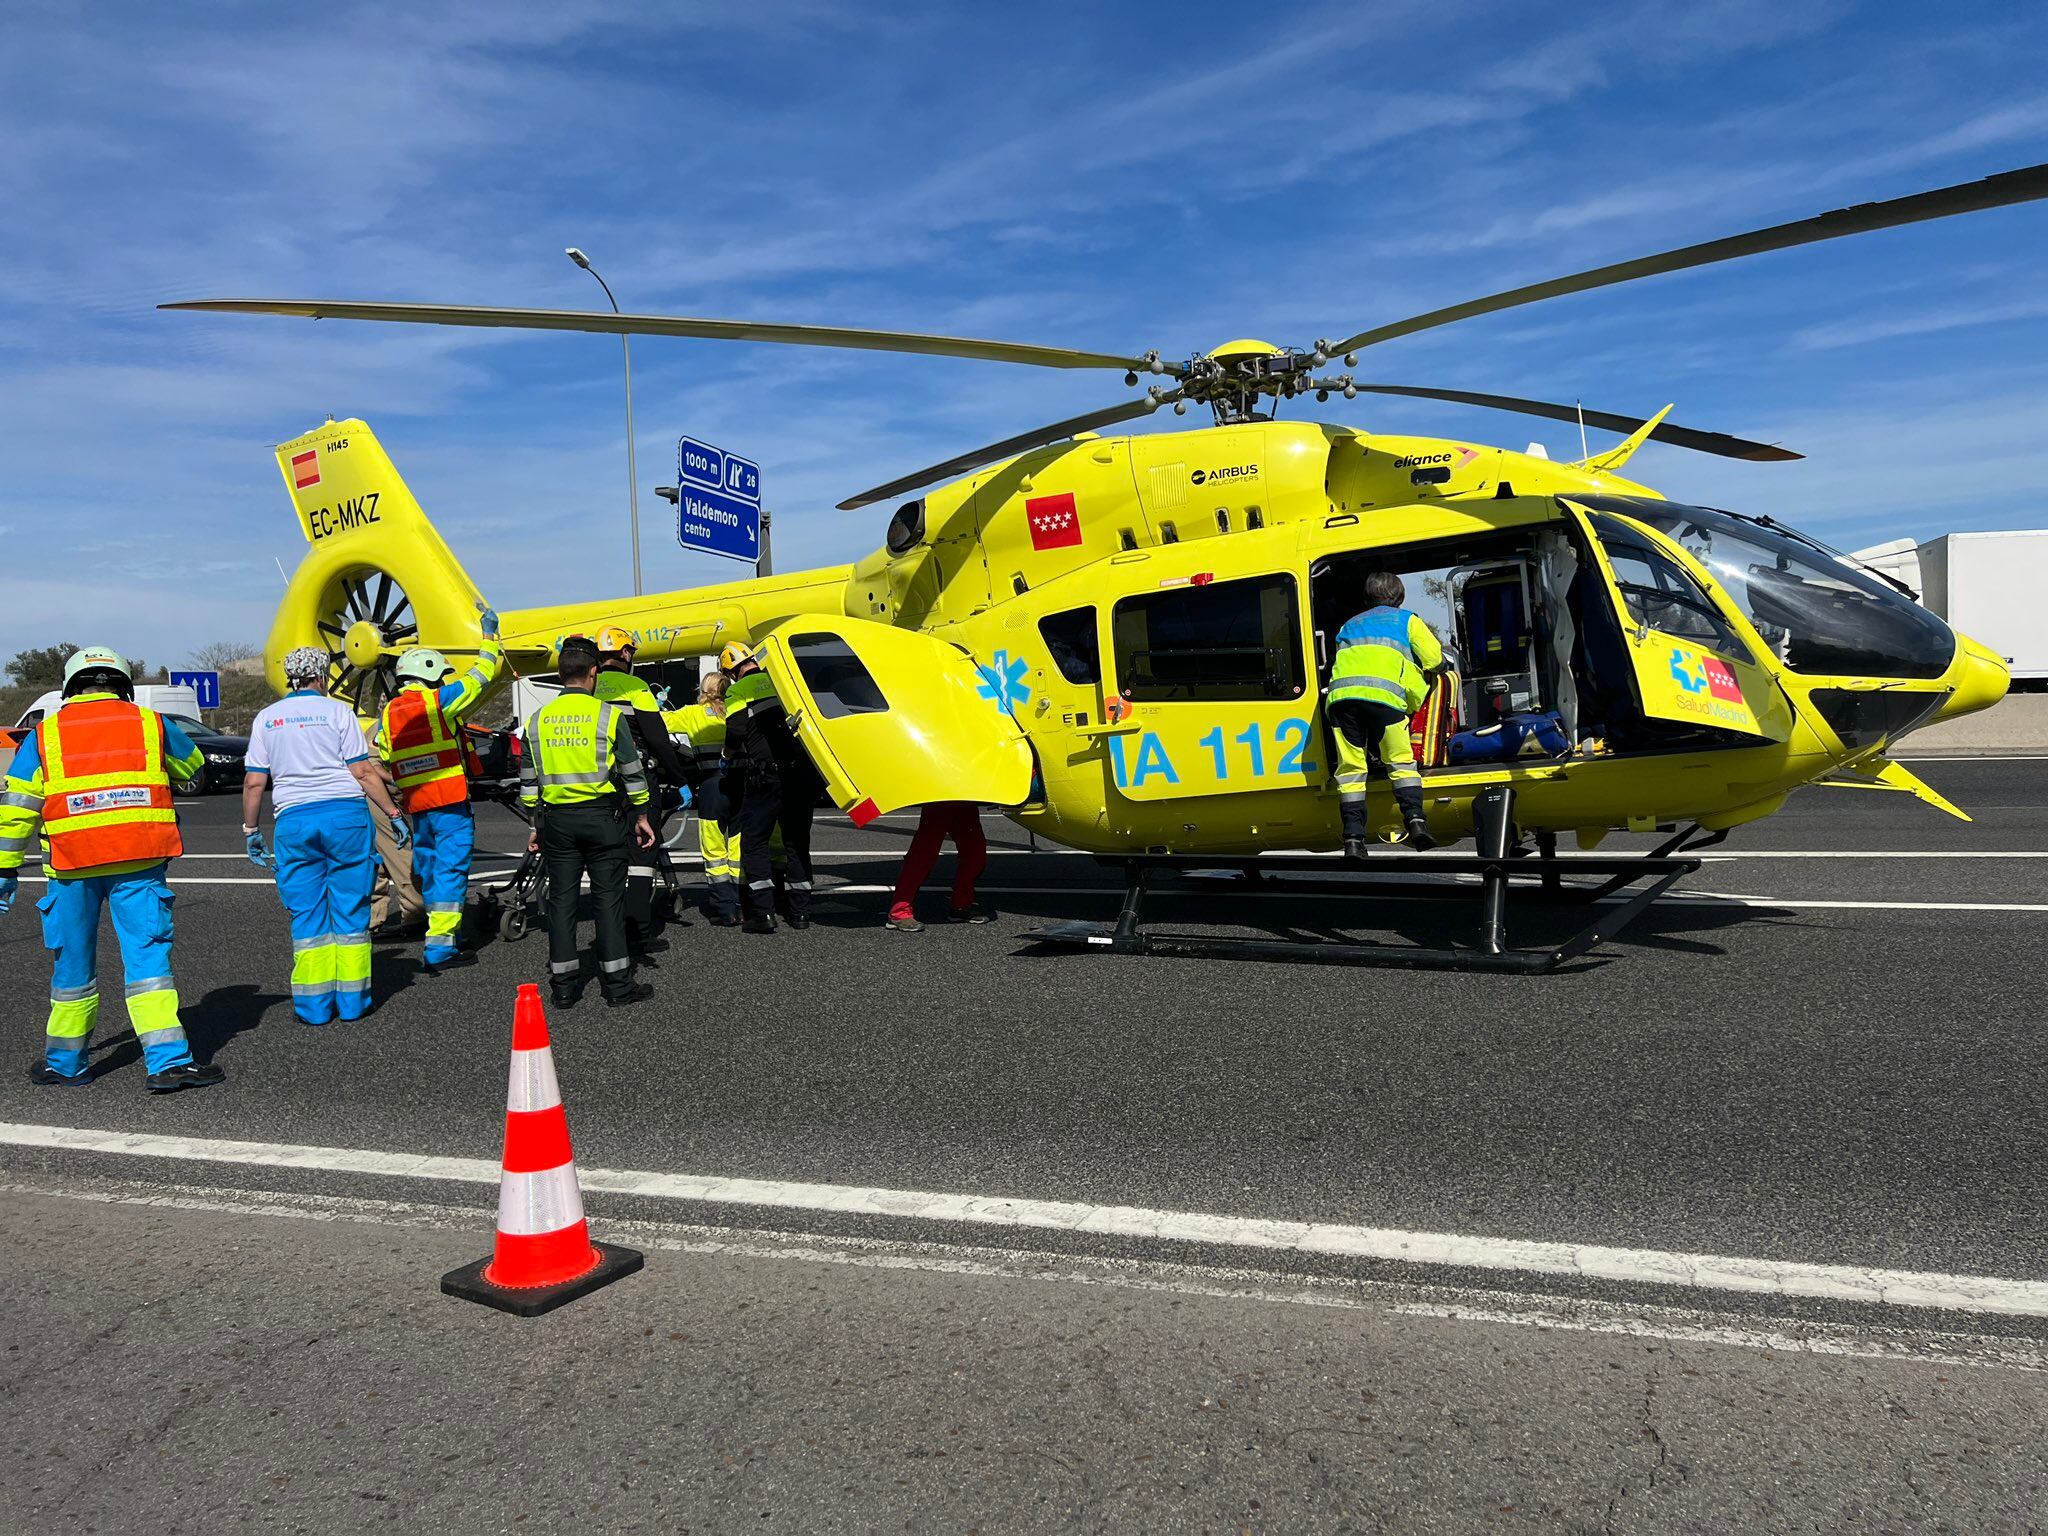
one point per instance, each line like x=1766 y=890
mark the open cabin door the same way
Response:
x=895 y=718
x=1691 y=664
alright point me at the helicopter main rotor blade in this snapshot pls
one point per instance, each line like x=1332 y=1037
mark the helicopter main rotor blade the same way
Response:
x=1666 y=432
x=2009 y=187
x=678 y=325
x=1009 y=447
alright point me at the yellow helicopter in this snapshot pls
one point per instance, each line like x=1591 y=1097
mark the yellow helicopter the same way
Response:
x=1123 y=641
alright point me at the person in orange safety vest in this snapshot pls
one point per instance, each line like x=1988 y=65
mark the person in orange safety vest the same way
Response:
x=97 y=775
x=420 y=738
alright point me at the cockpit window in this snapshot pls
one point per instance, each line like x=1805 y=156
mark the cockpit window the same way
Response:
x=1819 y=613
x=1659 y=592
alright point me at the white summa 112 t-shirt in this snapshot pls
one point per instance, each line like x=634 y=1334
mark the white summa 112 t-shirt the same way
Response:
x=305 y=742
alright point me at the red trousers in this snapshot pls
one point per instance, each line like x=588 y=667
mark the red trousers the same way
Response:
x=959 y=820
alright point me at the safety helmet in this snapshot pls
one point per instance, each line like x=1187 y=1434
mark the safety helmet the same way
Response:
x=615 y=639
x=734 y=656
x=305 y=663
x=423 y=664
x=93 y=666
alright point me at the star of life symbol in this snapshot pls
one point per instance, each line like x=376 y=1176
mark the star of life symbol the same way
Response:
x=1003 y=681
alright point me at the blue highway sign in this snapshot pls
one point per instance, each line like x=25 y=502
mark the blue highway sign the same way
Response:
x=718 y=501
x=742 y=478
x=205 y=684
x=700 y=464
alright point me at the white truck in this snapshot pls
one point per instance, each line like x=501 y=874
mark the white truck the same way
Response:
x=1992 y=587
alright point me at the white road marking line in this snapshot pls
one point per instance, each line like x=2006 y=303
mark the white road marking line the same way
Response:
x=1678 y=1324
x=1981 y=757
x=1670 y=1323
x=1712 y=856
x=1640 y=1266
x=1271 y=891
x=1694 y=899
x=1717 y=856
x=1715 y=898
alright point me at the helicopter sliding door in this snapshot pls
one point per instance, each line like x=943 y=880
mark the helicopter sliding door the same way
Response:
x=894 y=718
x=1689 y=664
x=1211 y=673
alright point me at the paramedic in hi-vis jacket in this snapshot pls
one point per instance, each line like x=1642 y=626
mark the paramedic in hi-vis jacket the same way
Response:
x=1386 y=657
x=420 y=738
x=96 y=775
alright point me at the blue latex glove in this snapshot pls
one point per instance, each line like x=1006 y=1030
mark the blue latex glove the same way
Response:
x=9 y=884
x=258 y=855
x=400 y=832
x=488 y=617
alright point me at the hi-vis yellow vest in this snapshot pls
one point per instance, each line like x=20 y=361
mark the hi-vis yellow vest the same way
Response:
x=568 y=757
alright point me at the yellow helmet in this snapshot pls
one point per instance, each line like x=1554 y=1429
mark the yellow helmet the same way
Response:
x=733 y=655
x=615 y=639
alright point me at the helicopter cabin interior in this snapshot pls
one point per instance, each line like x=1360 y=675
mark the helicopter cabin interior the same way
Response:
x=1542 y=664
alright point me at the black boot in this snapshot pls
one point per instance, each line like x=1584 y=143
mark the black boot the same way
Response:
x=1357 y=832
x=187 y=1075
x=1409 y=798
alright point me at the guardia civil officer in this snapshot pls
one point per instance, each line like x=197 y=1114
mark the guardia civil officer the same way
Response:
x=618 y=684
x=308 y=750
x=1386 y=657
x=420 y=738
x=776 y=790
x=97 y=775
x=581 y=778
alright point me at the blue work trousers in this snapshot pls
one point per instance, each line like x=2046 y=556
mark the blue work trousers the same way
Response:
x=442 y=841
x=326 y=868
x=140 y=902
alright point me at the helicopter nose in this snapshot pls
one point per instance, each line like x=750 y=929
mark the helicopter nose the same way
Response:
x=1982 y=684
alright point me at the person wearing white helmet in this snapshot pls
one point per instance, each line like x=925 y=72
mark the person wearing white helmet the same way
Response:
x=421 y=740
x=308 y=750
x=96 y=777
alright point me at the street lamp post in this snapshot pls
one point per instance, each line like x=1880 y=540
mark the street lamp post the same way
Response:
x=632 y=472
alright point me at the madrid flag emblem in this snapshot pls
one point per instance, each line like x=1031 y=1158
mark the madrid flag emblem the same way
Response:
x=1055 y=521
x=1721 y=682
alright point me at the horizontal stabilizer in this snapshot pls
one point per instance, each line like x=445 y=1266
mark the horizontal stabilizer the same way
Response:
x=1882 y=773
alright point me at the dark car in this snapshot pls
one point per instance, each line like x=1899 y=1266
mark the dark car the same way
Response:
x=223 y=756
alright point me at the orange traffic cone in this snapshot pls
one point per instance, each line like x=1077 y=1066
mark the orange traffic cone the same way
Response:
x=544 y=1253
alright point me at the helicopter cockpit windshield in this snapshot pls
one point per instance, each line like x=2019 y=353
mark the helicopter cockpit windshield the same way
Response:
x=1818 y=612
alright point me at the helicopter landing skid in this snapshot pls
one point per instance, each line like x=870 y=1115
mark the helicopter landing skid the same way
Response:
x=1496 y=864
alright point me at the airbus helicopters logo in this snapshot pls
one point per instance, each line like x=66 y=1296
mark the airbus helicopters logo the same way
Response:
x=1228 y=472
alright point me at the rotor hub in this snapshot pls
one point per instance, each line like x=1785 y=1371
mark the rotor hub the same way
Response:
x=368 y=620
x=364 y=644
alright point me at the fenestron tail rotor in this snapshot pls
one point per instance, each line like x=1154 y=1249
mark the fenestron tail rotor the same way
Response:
x=366 y=619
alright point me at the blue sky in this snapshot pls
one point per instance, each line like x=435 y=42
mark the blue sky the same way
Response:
x=1113 y=177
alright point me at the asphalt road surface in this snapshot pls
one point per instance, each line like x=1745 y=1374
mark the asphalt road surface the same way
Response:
x=1737 y=1224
